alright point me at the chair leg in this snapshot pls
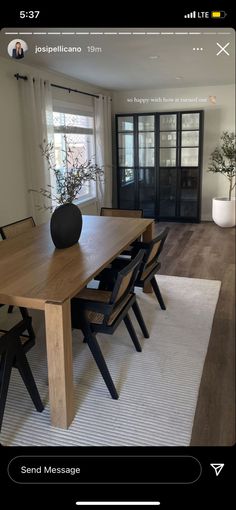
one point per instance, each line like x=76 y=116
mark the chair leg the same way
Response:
x=158 y=293
x=6 y=367
x=100 y=361
x=25 y=315
x=10 y=308
x=22 y=364
x=140 y=319
x=132 y=333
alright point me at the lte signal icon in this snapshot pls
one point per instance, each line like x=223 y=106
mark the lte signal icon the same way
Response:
x=217 y=467
x=190 y=15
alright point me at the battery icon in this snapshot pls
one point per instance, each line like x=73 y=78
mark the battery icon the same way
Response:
x=218 y=14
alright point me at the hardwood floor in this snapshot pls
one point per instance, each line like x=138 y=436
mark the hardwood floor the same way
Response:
x=207 y=251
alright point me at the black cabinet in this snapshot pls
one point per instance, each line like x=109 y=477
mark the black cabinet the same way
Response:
x=159 y=159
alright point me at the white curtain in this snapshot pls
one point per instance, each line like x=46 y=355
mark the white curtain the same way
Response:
x=37 y=128
x=103 y=148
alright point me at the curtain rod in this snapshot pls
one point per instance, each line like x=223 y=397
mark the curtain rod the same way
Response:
x=21 y=77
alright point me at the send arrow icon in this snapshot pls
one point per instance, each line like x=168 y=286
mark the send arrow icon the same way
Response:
x=218 y=468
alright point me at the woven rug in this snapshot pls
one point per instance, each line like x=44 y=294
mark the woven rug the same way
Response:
x=158 y=387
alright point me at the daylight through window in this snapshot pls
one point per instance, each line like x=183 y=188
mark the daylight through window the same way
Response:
x=76 y=132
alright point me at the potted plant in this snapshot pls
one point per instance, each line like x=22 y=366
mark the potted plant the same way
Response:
x=222 y=160
x=66 y=220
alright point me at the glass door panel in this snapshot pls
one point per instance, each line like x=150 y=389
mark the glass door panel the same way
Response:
x=168 y=122
x=126 y=141
x=146 y=123
x=188 y=209
x=146 y=157
x=126 y=157
x=168 y=139
x=190 y=121
x=188 y=184
x=127 y=188
x=190 y=139
x=126 y=149
x=189 y=157
x=167 y=157
x=168 y=183
x=125 y=123
x=146 y=140
x=188 y=192
x=147 y=191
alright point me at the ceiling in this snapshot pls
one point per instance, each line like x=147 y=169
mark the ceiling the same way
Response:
x=135 y=61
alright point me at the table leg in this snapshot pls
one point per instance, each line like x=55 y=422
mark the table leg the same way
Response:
x=59 y=355
x=148 y=236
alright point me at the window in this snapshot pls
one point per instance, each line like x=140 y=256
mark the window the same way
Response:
x=75 y=130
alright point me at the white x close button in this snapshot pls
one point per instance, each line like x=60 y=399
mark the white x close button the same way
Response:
x=222 y=49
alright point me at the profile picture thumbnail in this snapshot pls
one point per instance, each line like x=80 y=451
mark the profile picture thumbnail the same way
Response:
x=17 y=49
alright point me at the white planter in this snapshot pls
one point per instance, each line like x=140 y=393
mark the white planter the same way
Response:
x=223 y=211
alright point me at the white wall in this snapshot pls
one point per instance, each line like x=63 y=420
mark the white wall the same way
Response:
x=218 y=117
x=13 y=188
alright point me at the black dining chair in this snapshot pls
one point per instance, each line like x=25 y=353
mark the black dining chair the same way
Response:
x=115 y=212
x=148 y=268
x=13 y=347
x=14 y=229
x=122 y=213
x=151 y=264
x=17 y=228
x=31 y=334
x=100 y=311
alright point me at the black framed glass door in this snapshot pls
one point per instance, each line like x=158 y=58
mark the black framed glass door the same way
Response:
x=159 y=158
x=126 y=169
x=167 y=163
x=146 y=165
x=189 y=164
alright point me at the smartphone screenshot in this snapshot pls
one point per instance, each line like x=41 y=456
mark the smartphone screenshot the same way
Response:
x=117 y=259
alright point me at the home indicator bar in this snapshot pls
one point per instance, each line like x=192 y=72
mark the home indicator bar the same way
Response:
x=118 y=503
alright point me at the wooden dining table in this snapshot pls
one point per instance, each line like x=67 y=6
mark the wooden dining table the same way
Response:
x=34 y=274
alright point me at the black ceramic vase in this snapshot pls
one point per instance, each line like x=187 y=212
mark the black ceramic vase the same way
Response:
x=66 y=225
